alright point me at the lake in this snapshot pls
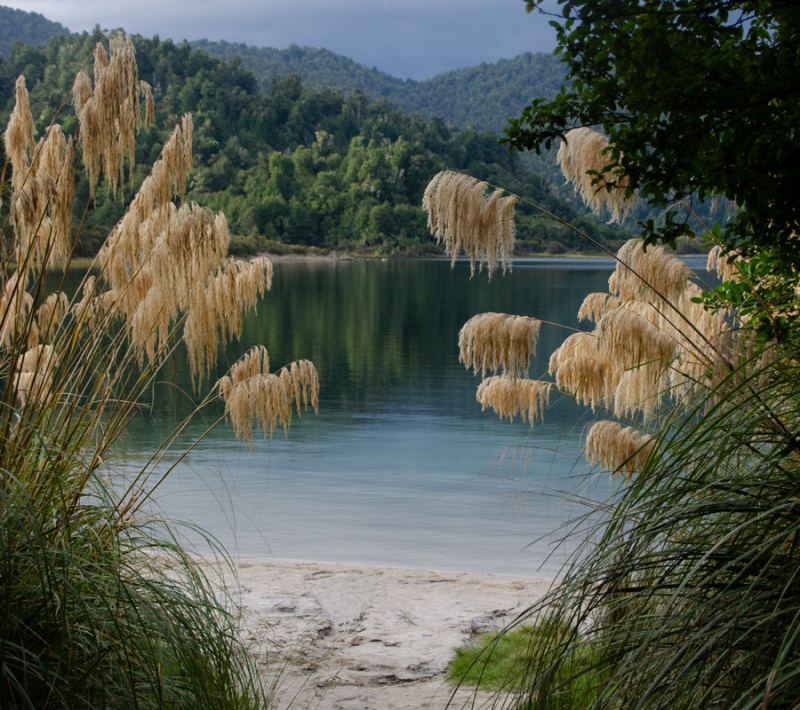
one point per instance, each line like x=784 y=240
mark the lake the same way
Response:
x=401 y=467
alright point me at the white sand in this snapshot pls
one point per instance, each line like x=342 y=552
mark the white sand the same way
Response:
x=336 y=636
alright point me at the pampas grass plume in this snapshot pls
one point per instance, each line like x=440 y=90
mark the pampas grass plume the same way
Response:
x=464 y=218
x=513 y=396
x=595 y=305
x=724 y=264
x=585 y=160
x=642 y=270
x=497 y=341
x=18 y=137
x=618 y=448
x=110 y=114
x=254 y=396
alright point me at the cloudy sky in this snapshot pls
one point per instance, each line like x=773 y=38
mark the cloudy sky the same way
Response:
x=407 y=38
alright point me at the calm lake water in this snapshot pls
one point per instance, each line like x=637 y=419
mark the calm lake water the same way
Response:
x=400 y=467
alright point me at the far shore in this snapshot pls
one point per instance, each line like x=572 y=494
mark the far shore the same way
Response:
x=339 y=636
x=344 y=256
x=84 y=262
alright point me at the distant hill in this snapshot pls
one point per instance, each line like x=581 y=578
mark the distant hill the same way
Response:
x=318 y=68
x=331 y=153
x=296 y=165
x=27 y=27
x=483 y=96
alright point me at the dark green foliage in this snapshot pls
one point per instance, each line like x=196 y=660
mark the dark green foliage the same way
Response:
x=697 y=97
x=25 y=27
x=314 y=167
x=480 y=96
x=317 y=68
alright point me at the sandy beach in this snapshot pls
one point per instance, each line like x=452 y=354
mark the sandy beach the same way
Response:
x=334 y=636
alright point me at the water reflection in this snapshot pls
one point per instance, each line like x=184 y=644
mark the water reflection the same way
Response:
x=400 y=467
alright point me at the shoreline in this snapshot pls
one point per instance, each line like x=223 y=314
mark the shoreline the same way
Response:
x=545 y=256
x=340 y=636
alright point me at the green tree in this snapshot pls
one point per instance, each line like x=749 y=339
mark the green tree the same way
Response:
x=697 y=98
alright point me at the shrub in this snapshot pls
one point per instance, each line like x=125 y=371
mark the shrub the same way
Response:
x=100 y=606
x=685 y=591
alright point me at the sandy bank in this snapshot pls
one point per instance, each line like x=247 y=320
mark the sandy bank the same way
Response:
x=345 y=637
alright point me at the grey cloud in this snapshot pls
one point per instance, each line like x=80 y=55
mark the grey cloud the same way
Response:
x=406 y=38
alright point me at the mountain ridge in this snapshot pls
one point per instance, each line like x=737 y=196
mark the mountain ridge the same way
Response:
x=482 y=96
x=28 y=27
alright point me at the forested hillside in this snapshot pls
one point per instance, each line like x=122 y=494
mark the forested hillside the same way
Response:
x=296 y=165
x=26 y=27
x=483 y=96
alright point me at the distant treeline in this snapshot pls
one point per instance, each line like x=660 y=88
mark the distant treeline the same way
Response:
x=295 y=164
x=25 y=27
x=484 y=96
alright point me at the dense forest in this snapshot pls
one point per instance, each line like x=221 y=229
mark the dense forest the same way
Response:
x=294 y=165
x=483 y=96
x=25 y=27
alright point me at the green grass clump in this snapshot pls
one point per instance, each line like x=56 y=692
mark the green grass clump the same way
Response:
x=493 y=661
x=97 y=611
x=501 y=661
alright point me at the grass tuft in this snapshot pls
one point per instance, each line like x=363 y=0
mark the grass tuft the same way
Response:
x=500 y=661
x=100 y=604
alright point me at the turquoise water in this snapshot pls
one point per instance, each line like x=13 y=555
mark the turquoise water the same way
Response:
x=400 y=467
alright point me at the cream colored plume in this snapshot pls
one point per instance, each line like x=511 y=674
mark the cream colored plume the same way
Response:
x=595 y=305
x=32 y=386
x=95 y=304
x=164 y=271
x=497 y=341
x=464 y=218
x=640 y=271
x=42 y=358
x=255 y=397
x=664 y=344
x=579 y=344
x=15 y=305
x=653 y=340
x=592 y=381
x=18 y=137
x=631 y=340
x=725 y=264
x=582 y=367
x=301 y=377
x=51 y=312
x=584 y=159
x=216 y=309
x=35 y=371
x=514 y=396
x=43 y=186
x=642 y=388
x=702 y=349
x=163 y=261
x=618 y=448
x=110 y=114
x=154 y=229
x=41 y=206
